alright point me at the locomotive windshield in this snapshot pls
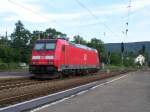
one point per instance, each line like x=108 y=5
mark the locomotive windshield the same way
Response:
x=50 y=46
x=44 y=46
x=39 y=46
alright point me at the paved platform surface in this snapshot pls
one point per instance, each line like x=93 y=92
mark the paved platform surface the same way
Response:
x=14 y=74
x=129 y=94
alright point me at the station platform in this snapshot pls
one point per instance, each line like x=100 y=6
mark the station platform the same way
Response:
x=9 y=75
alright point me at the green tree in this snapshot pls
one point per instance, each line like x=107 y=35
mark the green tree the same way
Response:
x=4 y=41
x=20 y=41
x=45 y=35
x=79 y=40
x=5 y=50
x=21 y=36
x=53 y=33
x=35 y=35
x=97 y=44
x=7 y=54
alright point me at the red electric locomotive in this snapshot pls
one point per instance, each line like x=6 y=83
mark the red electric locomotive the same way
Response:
x=55 y=56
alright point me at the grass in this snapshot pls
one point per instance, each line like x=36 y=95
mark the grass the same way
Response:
x=117 y=68
x=11 y=67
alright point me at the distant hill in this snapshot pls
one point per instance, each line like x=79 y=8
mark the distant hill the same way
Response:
x=133 y=46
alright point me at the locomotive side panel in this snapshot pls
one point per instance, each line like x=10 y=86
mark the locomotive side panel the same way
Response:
x=63 y=57
x=79 y=58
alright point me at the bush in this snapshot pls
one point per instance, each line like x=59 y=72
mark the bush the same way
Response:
x=3 y=66
x=9 y=66
x=115 y=59
x=128 y=62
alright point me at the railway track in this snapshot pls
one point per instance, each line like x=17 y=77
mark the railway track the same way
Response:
x=18 y=91
x=13 y=84
x=9 y=84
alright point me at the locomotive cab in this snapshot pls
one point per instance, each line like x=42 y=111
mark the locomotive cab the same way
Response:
x=43 y=55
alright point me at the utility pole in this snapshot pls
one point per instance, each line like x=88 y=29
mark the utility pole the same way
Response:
x=127 y=23
x=109 y=54
x=122 y=52
x=126 y=31
x=6 y=37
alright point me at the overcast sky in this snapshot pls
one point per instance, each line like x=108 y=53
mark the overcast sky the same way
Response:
x=104 y=19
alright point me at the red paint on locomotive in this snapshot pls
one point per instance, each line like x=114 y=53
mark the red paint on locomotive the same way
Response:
x=59 y=55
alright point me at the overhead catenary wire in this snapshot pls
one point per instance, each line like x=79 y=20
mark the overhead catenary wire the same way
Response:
x=35 y=12
x=95 y=17
x=62 y=25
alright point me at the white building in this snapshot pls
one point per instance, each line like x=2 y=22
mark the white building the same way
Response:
x=140 y=60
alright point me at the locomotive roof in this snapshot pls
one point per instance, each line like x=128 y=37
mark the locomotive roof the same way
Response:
x=83 y=47
x=77 y=45
x=46 y=40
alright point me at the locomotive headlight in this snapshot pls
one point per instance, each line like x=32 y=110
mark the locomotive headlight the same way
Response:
x=49 y=57
x=35 y=57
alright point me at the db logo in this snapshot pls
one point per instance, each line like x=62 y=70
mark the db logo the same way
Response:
x=85 y=57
